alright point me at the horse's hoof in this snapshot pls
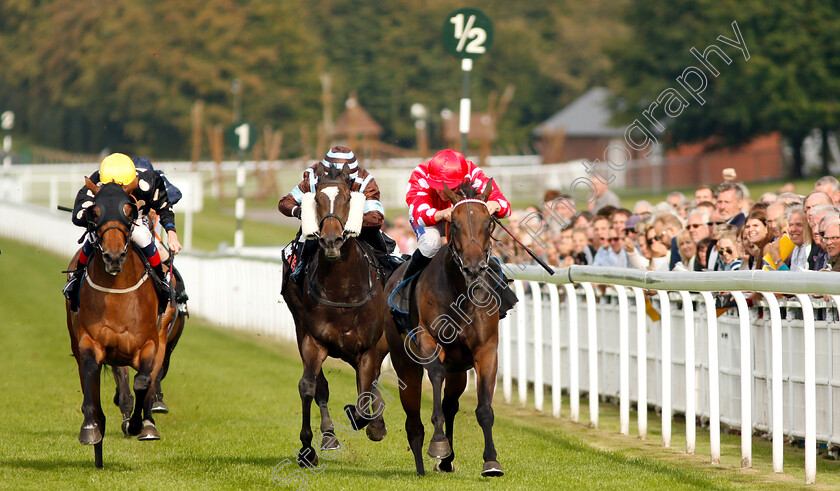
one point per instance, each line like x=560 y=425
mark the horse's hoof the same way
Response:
x=160 y=407
x=376 y=432
x=149 y=432
x=492 y=469
x=329 y=441
x=307 y=457
x=441 y=466
x=439 y=449
x=90 y=435
x=125 y=424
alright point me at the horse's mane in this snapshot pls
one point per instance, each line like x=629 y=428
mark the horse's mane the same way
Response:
x=466 y=190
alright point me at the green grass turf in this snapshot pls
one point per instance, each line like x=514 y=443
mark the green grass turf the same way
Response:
x=236 y=415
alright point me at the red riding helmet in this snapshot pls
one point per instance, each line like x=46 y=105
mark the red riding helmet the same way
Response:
x=447 y=166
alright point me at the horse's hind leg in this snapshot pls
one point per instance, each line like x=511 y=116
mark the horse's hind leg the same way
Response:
x=93 y=426
x=158 y=406
x=456 y=382
x=485 y=368
x=123 y=396
x=322 y=397
x=439 y=447
x=313 y=357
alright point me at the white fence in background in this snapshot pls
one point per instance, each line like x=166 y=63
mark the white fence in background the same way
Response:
x=772 y=371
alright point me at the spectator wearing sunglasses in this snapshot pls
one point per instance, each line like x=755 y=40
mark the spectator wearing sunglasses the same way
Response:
x=730 y=252
x=818 y=258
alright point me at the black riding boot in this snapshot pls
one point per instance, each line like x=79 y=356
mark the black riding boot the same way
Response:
x=163 y=287
x=71 y=289
x=416 y=264
x=374 y=238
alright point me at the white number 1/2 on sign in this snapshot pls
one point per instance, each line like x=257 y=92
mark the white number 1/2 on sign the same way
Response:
x=463 y=33
x=243 y=132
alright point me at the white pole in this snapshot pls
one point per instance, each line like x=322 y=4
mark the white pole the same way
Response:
x=539 y=386
x=714 y=378
x=666 y=367
x=574 y=350
x=778 y=404
x=641 y=361
x=464 y=123
x=556 y=385
x=592 y=352
x=521 y=345
x=690 y=390
x=507 y=378
x=623 y=361
x=239 y=237
x=746 y=378
x=810 y=389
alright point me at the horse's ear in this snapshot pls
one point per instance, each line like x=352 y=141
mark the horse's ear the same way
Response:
x=452 y=197
x=320 y=170
x=93 y=188
x=130 y=187
x=488 y=188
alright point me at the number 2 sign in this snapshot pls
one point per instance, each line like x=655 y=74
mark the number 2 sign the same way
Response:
x=467 y=33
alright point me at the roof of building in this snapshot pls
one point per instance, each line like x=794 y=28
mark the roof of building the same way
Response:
x=587 y=116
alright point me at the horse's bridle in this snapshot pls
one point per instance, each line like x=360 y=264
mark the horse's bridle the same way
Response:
x=126 y=229
x=456 y=258
x=331 y=214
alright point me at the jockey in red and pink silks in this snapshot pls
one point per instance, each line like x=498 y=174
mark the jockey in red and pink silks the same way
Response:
x=428 y=208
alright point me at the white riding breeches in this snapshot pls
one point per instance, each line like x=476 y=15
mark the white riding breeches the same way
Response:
x=428 y=238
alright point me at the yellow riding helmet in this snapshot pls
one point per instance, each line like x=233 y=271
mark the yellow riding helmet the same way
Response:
x=117 y=167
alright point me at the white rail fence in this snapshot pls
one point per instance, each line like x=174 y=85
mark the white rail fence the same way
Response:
x=772 y=368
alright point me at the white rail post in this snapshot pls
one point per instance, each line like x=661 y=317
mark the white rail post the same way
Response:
x=556 y=386
x=810 y=389
x=666 y=367
x=690 y=389
x=714 y=378
x=778 y=403
x=746 y=378
x=507 y=379
x=623 y=361
x=521 y=345
x=539 y=385
x=574 y=352
x=592 y=352
x=641 y=361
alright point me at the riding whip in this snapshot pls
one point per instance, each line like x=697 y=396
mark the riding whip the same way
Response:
x=529 y=251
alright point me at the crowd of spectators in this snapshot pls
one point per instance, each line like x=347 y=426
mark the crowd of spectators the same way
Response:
x=719 y=228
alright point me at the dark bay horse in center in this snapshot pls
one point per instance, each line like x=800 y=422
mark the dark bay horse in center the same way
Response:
x=338 y=308
x=454 y=312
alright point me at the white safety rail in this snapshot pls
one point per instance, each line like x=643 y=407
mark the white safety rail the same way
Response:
x=770 y=367
x=234 y=292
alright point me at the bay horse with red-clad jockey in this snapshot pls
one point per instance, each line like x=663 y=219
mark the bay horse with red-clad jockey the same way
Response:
x=117 y=322
x=338 y=308
x=454 y=311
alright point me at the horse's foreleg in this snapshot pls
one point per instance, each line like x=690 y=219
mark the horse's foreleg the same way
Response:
x=94 y=420
x=485 y=368
x=439 y=447
x=313 y=357
x=456 y=382
x=123 y=396
x=142 y=423
x=322 y=397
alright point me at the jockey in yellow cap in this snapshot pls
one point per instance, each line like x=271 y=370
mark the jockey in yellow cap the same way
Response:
x=150 y=194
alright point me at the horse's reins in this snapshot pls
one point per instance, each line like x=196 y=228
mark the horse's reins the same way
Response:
x=371 y=284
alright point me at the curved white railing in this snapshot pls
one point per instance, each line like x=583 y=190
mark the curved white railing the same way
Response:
x=769 y=367
x=755 y=380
